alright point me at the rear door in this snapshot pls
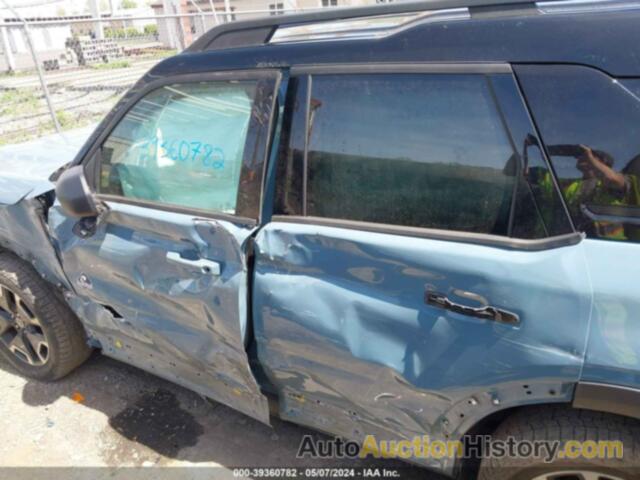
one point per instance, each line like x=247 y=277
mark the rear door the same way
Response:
x=161 y=279
x=421 y=271
x=597 y=159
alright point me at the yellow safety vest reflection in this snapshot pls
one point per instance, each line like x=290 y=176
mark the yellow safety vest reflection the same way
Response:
x=600 y=195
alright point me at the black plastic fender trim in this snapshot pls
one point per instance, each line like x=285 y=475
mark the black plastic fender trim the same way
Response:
x=607 y=398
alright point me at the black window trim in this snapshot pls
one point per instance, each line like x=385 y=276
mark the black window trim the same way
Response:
x=305 y=154
x=545 y=158
x=91 y=161
x=485 y=69
x=514 y=148
x=543 y=151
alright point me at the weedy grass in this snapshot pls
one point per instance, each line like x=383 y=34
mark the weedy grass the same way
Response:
x=18 y=101
x=111 y=65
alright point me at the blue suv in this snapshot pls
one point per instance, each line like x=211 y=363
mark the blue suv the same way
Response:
x=418 y=219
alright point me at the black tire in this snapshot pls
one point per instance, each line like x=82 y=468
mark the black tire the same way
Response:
x=66 y=343
x=562 y=423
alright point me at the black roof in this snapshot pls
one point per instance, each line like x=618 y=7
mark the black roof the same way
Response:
x=496 y=31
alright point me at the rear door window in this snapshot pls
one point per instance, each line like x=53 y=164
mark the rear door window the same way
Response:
x=414 y=150
x=417 y=150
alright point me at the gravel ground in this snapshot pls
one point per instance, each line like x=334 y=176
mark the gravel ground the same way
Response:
x=108 y=414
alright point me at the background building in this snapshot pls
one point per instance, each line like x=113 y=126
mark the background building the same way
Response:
x=136 y=21
x=92 y=51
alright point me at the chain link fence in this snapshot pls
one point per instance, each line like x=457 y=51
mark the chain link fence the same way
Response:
x=59 y=74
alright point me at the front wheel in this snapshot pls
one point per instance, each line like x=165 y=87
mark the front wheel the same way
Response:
x=582 y=432
x=39 y=334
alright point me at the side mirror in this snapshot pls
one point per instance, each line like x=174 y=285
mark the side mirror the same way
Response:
x=74 y=194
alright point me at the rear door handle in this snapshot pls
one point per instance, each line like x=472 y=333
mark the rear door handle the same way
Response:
x=207 y=267
x=486 y=312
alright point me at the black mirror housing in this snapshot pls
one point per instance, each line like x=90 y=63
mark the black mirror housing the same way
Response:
x=74 y=194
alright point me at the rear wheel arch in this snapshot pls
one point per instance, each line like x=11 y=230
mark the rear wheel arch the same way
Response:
x=467 y=469
x=562 y=423
x=608 y=398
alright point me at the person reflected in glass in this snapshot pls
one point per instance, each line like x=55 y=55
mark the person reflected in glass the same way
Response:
x=600 y=185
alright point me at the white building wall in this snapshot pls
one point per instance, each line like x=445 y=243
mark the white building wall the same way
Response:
x=45 y=38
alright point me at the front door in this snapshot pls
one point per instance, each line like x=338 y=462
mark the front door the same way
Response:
x=421 y=271
x=161 y=280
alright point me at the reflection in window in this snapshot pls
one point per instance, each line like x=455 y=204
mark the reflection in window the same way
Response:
x=182 y=145
x=591 y=128
x=415 y=150
x=276 y=9
x=290 y=169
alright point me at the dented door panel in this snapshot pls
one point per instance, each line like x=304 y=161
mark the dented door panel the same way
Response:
x=169 y=318
x=346 y=337
x=160 y=279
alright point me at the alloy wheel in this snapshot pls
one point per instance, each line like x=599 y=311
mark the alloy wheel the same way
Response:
x=576 y=475
x=20 y=330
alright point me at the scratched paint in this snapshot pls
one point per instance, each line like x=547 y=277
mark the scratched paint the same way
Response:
x=341 y=327
x=180 y=323
x=345 y=336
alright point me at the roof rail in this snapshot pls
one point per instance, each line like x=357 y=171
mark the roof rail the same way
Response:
x=246 y=33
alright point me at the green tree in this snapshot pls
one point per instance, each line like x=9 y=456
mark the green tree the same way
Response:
x=151 y=29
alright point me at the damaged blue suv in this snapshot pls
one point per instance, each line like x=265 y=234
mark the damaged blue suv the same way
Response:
x=417 y=219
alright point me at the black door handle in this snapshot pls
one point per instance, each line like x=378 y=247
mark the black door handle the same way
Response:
x=486 y=312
